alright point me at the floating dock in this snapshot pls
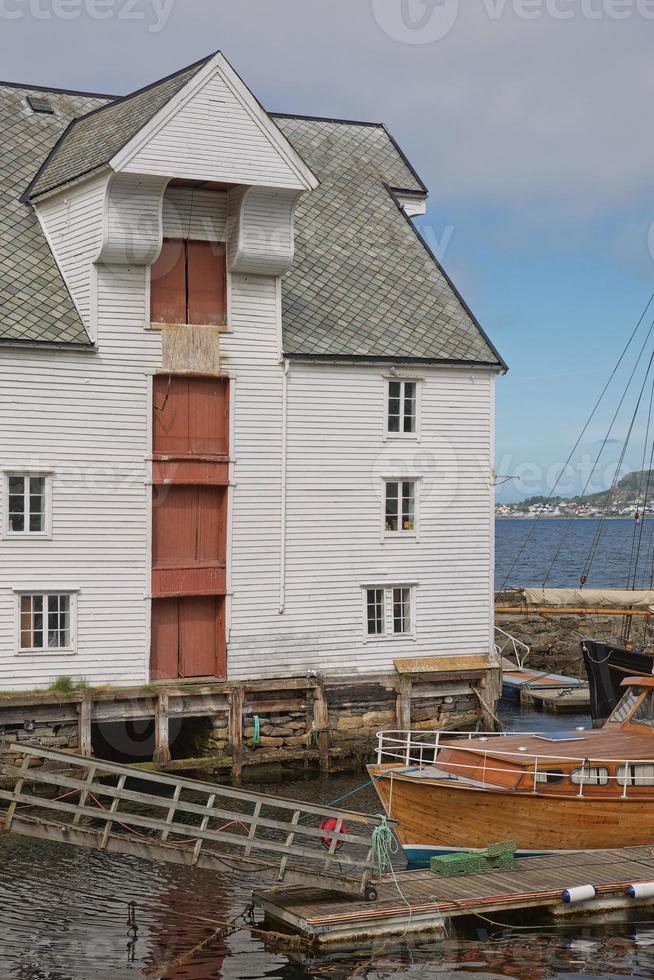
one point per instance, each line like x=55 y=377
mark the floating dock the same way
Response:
x=412 y=902
x=543 y=691
x=558 y=700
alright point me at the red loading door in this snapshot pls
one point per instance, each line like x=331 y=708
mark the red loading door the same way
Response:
x=191 y=416
x=207 y=283
x=188 y=637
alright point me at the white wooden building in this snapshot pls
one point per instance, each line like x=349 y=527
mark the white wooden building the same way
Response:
x=246 y=421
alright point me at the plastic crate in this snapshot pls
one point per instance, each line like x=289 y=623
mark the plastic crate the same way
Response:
x=500 y=849
x=463 y=863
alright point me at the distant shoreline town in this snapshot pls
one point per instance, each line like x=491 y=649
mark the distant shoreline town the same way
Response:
x=631 y=497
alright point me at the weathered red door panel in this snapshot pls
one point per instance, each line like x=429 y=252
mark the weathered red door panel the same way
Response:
x=207 y=283
x=168 y=283
x=170 y=428
x=164 y=657
x=198 y=636
x=208 y=417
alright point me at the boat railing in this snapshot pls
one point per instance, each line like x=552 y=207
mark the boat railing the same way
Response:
x=423 y=750
x=507 y=644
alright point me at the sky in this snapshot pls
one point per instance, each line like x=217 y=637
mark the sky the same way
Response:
x=529 y=120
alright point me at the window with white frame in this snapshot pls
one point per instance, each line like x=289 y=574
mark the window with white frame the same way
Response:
x=400 y=507
x=27 y=507
x=375 y=612
x=402 y=408
x=46 y=621
x=389 y=611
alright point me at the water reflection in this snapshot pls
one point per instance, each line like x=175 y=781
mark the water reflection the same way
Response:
x=64 y=915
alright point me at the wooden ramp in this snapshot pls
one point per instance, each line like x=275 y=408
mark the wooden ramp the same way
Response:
x=421 y=901
x=97 y=804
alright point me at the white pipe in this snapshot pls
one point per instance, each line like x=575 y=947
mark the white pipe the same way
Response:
x=282 y=544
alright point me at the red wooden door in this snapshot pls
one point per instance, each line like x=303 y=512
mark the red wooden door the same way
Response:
x=188 y=637
x=189 y=521
x=191 y=416
x=188 y=283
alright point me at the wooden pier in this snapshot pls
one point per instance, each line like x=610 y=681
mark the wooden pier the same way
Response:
x=413 y=902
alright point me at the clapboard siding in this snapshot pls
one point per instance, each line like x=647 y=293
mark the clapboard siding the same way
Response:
x=200 y=143
x=84 y=417
x=194 y=213
x=337 y=459
x=72 y=222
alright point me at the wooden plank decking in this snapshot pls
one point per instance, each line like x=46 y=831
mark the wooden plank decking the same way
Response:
x=537 y=883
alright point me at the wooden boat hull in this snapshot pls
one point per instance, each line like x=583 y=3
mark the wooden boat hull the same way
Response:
x=435 y=818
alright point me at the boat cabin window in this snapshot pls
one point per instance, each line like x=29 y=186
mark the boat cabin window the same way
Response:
x=636 y=774
x=553 y=777
x=644 y=713
x=590 y=776
x=626 y=705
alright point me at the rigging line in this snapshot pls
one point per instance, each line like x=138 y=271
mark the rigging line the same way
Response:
x=580 y=437
x=641 y=528
x=609 y=500
x=598 y=457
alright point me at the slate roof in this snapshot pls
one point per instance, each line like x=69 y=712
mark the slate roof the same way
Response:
x=35 y=304
x=91 y=142
x=363 y=286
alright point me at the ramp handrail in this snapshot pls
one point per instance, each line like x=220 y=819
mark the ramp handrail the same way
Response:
x=519 y=649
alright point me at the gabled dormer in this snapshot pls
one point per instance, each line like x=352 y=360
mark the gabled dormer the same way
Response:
x=196 y=144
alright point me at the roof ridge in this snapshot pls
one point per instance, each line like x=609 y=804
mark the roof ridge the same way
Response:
x=59 y=91
x=121 y=99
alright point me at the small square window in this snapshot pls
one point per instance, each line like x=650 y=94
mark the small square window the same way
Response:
x=45 y=621
x=27 y=510
x=400 y=507
x=402 y=408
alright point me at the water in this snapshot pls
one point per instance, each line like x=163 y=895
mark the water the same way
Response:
x=610 y=566
x=63 y=916
x=63 y=910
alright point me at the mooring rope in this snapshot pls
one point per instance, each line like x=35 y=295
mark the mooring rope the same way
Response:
x=256 y=735
x=384 y=846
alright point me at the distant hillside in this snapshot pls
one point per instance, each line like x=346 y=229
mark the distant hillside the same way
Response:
x=628 y=495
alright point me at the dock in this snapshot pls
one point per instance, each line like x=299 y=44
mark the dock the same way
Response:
x=557 y=700
x=413 y=902
x=542 y=691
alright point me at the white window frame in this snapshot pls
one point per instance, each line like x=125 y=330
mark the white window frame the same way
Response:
x=46 y=533
x=402 y=379
x=72 y=614
x=415 y=480
x=388 y=634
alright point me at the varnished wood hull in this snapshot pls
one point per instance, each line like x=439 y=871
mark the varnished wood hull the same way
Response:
x=436 y=818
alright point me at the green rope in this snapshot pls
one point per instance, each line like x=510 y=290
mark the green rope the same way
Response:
x=256 y=735
x=384 y=846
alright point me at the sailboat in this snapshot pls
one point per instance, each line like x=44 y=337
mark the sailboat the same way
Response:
x=607 y=662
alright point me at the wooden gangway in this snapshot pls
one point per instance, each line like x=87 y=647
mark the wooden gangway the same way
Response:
x=92 y=803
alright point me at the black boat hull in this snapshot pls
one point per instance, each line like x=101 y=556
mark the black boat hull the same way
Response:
x=607 y=666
